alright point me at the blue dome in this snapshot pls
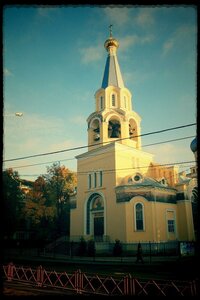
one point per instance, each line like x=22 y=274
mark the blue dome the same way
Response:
x=193 y=145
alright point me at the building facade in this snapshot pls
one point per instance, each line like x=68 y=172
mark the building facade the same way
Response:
x=121 y=192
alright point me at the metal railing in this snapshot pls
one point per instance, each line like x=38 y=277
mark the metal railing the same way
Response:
x=82 y=283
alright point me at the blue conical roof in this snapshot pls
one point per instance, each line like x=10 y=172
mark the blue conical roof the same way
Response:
x=112 y=74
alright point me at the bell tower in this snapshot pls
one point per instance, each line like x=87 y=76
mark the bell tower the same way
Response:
x=120 y=190
x=113 y=119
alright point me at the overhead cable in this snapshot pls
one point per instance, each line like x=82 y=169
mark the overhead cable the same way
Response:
x=92 y=145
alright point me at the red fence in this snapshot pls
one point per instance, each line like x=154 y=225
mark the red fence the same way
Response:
x=82 y=283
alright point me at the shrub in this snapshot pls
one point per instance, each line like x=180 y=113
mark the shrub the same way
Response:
x=117 y=249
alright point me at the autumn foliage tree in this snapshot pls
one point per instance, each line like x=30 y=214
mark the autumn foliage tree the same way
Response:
x=39 y=210
x=61 y=183
x=47 y=205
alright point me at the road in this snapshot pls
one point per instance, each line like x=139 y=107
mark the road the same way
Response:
x=158 y=268
x=25 y=289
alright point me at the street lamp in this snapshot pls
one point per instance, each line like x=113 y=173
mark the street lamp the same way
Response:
x=16 y=114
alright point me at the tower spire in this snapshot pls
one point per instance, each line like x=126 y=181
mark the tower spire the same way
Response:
x=112 y=74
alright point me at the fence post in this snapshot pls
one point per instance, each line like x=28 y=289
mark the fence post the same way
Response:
x=40 y=276
x=126 y=285
x=79 y=281
x=193 y=288
x=129 y=285
x=10 y=271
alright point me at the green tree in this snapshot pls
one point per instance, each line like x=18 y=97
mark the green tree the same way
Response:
x=12 y=202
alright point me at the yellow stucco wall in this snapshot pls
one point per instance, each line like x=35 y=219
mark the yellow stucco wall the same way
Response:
x=119 y=220
x=112 y=213
x=185 y=221
x=119 y=159
x=155 y=221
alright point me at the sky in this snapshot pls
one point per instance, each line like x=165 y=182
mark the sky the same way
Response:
x=53 y=63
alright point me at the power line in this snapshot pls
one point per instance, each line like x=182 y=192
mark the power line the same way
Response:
x=140 y=167
x=81 y=147
x=130 y=168
x=174 y=140
x=90 y=155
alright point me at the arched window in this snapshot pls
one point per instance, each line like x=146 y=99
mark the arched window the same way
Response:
x=95 y=216
x=133 y=129
x=139 y=217
x=113 y=100
x=114 y=129
x=96 y=129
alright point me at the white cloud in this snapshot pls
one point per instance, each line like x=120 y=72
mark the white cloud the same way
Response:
x=79 y=120
x=179 y=38
x=136 y=77
x=170 y=153
x=7 y=72
x=168 y=45
x=117 y=15
x=129 y=40
x=30 y=134
x=90 y=54
x=184 y=31
x=145 y=17
x=59 y=146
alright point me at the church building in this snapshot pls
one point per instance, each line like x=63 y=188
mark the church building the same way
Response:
x=121 y=192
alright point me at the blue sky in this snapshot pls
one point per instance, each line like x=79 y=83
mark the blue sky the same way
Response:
x=54 y=59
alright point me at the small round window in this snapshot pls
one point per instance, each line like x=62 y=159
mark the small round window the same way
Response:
x=137 y=177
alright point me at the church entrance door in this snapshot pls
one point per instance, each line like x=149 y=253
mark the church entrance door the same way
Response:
x=98 y=226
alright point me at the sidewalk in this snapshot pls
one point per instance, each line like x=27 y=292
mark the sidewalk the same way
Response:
x=109 y=260
x=124 y=260
x=173 y=267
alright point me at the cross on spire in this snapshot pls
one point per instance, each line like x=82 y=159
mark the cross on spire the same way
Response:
x=110 y=27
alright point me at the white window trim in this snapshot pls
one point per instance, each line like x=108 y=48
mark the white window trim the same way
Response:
x=85 y=214
x=175 y=224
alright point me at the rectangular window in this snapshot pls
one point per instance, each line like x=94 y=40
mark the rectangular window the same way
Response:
x=139 y=224
x=95 y=179
x=100 y=178
x=101 y=102
x=171 y=226
x=89 y=181
x=113 y=100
